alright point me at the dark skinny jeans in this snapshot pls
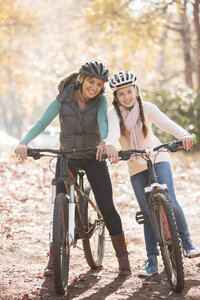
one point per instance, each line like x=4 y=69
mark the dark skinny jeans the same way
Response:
x=99 y=179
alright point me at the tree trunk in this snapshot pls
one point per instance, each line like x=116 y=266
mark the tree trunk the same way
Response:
x=196 y=12
x=185 y=34
x=161 y=64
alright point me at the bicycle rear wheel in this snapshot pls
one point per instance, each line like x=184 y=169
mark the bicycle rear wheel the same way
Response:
x=61 y=250
x=93 y=246
x=170 y=246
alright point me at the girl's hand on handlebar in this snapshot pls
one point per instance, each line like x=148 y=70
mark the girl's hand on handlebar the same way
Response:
x=187 y=142
x=21 y=151
x=112 y=154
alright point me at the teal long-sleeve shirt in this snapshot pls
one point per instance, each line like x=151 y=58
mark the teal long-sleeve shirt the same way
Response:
x=53 y=110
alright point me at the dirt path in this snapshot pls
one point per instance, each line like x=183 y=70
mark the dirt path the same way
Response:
x=24 y=226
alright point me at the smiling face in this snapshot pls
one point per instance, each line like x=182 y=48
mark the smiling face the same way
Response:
x=126 y=96
x=91 y=87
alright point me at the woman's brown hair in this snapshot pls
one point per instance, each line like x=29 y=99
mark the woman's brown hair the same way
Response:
x=73 y=77
x=70 y=78
x=122 y=124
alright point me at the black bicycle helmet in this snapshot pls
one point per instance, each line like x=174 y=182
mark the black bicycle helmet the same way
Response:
x=95 y=69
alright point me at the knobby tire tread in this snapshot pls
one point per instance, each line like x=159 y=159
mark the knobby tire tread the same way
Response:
x=61 y=203
x=177 y=250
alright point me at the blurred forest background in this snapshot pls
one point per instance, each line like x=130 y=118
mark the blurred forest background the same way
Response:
x=42 y=40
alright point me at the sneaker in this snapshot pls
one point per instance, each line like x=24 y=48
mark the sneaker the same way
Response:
x=151 y=266
x=190 y=250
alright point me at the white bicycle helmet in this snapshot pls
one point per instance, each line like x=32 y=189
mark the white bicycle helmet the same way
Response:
x=122 y=79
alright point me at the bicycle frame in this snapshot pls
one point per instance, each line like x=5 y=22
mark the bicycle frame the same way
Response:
x=153 y=188
x=71 y=185
x=74 y=215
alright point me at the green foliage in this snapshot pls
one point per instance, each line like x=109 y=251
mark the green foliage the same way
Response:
x=182 y=105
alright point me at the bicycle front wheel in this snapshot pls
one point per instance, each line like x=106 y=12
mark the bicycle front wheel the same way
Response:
x=94 y=223
x=170 y=242
x=61 y=250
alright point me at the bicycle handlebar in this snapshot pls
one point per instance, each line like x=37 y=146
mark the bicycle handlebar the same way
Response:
x=36 y=153
x=171 y=146
x=124 y=155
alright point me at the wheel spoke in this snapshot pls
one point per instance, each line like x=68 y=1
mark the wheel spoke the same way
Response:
x=94 y=246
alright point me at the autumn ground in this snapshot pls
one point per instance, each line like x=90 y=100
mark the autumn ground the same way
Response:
x=24 y=226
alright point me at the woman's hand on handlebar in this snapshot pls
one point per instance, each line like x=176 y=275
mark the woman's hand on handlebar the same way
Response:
x=100 y=151
x=21 y=151
x=187 y=142
x=112 y=154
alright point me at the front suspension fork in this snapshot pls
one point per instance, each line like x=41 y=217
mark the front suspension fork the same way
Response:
x=71 y=219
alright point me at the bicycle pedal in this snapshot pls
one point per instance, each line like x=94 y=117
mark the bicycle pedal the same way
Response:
x=141 y=217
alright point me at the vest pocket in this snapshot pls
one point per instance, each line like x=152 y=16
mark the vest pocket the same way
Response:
x=67 y=142
x=91 y=141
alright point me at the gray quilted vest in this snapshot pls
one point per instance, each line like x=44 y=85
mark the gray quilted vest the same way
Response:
x=79 y=128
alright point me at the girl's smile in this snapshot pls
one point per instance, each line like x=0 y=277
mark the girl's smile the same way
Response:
x=126 y=96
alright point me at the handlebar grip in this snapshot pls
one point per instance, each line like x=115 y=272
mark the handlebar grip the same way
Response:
x=33 y=153
x=174 y=146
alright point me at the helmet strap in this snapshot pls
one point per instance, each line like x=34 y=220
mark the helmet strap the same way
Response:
x=81 y=85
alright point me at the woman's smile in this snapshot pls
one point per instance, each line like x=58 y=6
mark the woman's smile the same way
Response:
x=91 y=87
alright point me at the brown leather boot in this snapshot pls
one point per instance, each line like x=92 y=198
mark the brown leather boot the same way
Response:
x=49 y=270
x=119 y=245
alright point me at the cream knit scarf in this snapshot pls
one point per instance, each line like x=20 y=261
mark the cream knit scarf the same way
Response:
x=133 y=123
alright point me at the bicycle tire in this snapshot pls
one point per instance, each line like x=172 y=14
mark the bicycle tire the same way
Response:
x=170 y=247
x=94 y=246
x=61 y=251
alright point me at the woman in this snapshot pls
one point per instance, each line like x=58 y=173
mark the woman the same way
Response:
x=129 y=121
x=82 y=108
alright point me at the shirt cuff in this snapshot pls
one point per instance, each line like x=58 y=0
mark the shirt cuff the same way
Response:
x=108 y=142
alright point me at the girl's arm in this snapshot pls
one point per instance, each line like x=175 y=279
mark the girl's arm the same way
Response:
x=161 y=120
x=113 y=135
x=113 y=128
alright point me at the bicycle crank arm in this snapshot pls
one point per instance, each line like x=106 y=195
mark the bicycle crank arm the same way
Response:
x=90 y=232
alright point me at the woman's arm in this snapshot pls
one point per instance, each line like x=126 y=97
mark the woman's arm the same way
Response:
x=102 y=117
x=50 y=113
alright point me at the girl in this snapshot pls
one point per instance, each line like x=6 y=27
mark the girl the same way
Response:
x=82 y=108
x=129 y=121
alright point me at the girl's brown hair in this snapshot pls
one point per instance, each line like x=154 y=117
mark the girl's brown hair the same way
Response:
x=122 y=124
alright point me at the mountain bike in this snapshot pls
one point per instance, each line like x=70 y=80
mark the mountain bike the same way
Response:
x=74 y=215
x=161 y=215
